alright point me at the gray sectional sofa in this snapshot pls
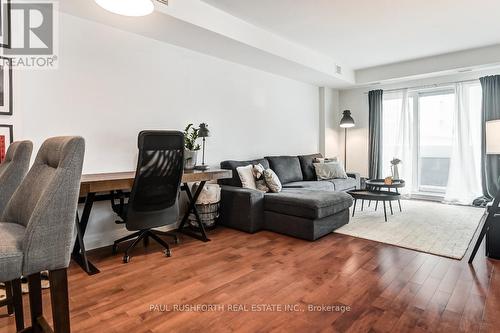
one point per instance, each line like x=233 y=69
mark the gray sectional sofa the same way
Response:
x=306 y=208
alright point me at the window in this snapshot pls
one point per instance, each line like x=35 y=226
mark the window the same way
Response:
x=435 y=135
x=418 y=127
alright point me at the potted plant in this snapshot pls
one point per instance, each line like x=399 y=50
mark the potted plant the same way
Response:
x=190 y=147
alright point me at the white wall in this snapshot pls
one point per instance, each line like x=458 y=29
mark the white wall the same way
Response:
x=357 y=101
x=329 y=122
x=111 y=84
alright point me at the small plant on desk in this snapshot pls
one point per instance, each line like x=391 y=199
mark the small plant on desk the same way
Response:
x=191 y=147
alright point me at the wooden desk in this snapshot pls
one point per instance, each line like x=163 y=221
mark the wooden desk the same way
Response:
x=92 y=184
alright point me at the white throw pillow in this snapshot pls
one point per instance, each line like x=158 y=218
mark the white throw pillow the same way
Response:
x=332 y=170
x=246 y=176
x=272 y=181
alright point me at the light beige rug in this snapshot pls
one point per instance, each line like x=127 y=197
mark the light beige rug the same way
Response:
x=444 y=230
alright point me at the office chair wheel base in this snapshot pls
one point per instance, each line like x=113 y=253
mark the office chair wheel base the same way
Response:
x=177 y=241
x=126 y=259
x=168 y=253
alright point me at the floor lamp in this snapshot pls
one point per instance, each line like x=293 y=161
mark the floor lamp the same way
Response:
x=346 y=122
x=492 y=148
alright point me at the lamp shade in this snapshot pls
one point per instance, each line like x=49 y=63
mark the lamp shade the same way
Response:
x=347 y=120
x=493 y=137
x=203 y=131
x=128 y=7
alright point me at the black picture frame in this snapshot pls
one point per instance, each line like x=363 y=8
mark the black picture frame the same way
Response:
x=5 y=23
x=6 y=110
x=11 y=132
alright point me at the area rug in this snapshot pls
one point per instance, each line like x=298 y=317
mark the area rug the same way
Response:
x=444 y=230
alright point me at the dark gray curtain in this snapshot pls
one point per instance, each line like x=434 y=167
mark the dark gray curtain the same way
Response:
x=491 y=111
x=375 y=102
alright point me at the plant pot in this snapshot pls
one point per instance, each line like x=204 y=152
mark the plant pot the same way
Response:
x=190 y=159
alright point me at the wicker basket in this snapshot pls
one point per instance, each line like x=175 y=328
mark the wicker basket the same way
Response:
x=209 y=213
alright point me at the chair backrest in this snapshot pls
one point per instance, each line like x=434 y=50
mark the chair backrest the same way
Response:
x=13 y=169
x=46 y=202
x=153 y=199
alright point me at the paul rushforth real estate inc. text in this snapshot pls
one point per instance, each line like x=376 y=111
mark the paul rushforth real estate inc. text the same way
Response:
x=259 y=307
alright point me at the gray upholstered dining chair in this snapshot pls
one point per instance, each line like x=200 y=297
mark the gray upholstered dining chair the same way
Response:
x=38 y=224
x=12 y=171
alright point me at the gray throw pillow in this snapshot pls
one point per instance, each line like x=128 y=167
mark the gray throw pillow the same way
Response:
x=332 y=170
x=272 y=181
x=326 y=160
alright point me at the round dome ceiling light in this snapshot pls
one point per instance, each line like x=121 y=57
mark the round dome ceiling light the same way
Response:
x=128 y=7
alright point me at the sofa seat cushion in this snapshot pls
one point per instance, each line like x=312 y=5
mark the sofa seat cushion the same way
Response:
x=286 y=167
x=307 y=203
x=317 y=185
x=232 y=165
x=344 y=184
x=11 y=252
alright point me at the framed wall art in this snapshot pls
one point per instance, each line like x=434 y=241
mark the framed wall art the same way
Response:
x=6 y=138
x=5 y=86
x=5 y=33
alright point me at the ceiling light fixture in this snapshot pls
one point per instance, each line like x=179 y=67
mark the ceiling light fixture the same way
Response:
x=129 y=7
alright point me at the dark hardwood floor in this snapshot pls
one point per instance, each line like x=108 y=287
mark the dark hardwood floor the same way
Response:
x=388 y=289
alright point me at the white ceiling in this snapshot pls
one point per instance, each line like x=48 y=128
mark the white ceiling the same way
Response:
x=367 y=33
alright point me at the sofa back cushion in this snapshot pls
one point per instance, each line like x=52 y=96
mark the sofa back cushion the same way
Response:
x=306 y=164
x=287 y=168
x=232 y=165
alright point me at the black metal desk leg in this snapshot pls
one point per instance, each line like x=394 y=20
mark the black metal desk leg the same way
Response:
x=354 y=208
x=79 y=253
x=483 y=232
x=385 y=211
x=81 y=244
x=192 y=209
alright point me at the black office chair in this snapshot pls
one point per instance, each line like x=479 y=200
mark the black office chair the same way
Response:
x=153 y=201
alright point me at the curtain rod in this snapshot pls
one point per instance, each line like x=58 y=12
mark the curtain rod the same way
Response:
x=435 y=85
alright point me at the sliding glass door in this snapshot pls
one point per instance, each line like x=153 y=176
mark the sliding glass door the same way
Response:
x=435 y=137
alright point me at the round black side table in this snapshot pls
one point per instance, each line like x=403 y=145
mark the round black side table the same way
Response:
x=379 y=184
x=374 y=196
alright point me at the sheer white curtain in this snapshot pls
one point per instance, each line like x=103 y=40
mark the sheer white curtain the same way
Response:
x=464 y=181
x=405 y=143
x=398 y=136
